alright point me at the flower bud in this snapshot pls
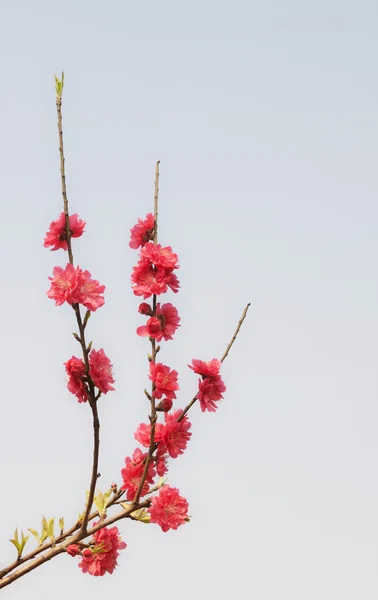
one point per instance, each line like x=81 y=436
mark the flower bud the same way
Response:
x=73 y=549
x=164 y=405
x=145 y=309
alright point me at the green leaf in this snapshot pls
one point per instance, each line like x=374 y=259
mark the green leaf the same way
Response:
x=35 y=533
x=61 y=524
x=50 y=528
x=59 y=84
x=17 y=546
x=141 y=515
x=23 y=541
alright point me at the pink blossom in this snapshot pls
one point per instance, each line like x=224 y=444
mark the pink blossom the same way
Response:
x=159 y=256
x=72 y=285
x=152 y=329
x=176 y=434
x=89 y=291
x=161 y=460
x=168 y=509
x=164 y=379
x=210 y=391
x=75 y=370
x=142 y=232
x=164 y=325
x=206 y=369
x=63 y=285
x=148 y=280
x=56 y=235
x=132 y=474
x=73 y=549
x=100 y=370
x=143 y=433
x=102 y=557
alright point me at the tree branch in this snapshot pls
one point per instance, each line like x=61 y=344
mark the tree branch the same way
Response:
x=189 y=406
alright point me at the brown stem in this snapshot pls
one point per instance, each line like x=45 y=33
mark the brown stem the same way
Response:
x=60 y=538
x=63 y=176
x=189 y=406
x=92 y=396
x=153 y=415
x=54 y=551
x=236 y=332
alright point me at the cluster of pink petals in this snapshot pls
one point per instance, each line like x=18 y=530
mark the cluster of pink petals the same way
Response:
x=75 y=286
x=102 y=557
x=211 y=385
x=164 y=380
x=142 y=232
x=148 y=280
x=175 y=435
x=159 y=256
x=132 y=474
x=75 y=370
x=168 y=508
x=164 y=325
x=100 y=371
x=56 y=236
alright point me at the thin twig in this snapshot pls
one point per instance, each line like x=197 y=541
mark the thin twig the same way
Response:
x=60 y=538
x=62 y=171
x=54 y=551
x=92 y=396
x=236 y=332
x=193 y=401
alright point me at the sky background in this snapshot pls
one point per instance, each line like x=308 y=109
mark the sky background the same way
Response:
x=264 y=117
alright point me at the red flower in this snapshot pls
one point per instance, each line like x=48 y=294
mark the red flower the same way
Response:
x=159 y=256
x=143 y=433
x=168 y=509
x=72 y=285
x=100 y=370
x=142 y=232
x=161 y=460
x=132 y=474
x=75 y=370
x=102 y=557
x=164 y=379
x=210 y=391
x=89 y=291
x=56 y=235
x=148 y=280
x=176 y=435
x=163 y=325
x=63 y=285
x=206 y=369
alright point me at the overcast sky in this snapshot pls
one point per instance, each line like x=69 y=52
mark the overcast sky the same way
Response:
x=264 y=117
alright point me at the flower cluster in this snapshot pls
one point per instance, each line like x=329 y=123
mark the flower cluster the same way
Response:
x=211 y=385
x=101 y=555
x=100 y=371
x=75 y=286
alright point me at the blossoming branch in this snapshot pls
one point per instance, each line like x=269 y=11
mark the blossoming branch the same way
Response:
x=143 y=493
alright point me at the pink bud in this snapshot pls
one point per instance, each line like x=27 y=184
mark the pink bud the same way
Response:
x=73 y=549
x=165 y=405
x=87 y=553
x=145 y=309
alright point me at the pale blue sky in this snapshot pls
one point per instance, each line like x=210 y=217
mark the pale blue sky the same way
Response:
x=264 y=117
